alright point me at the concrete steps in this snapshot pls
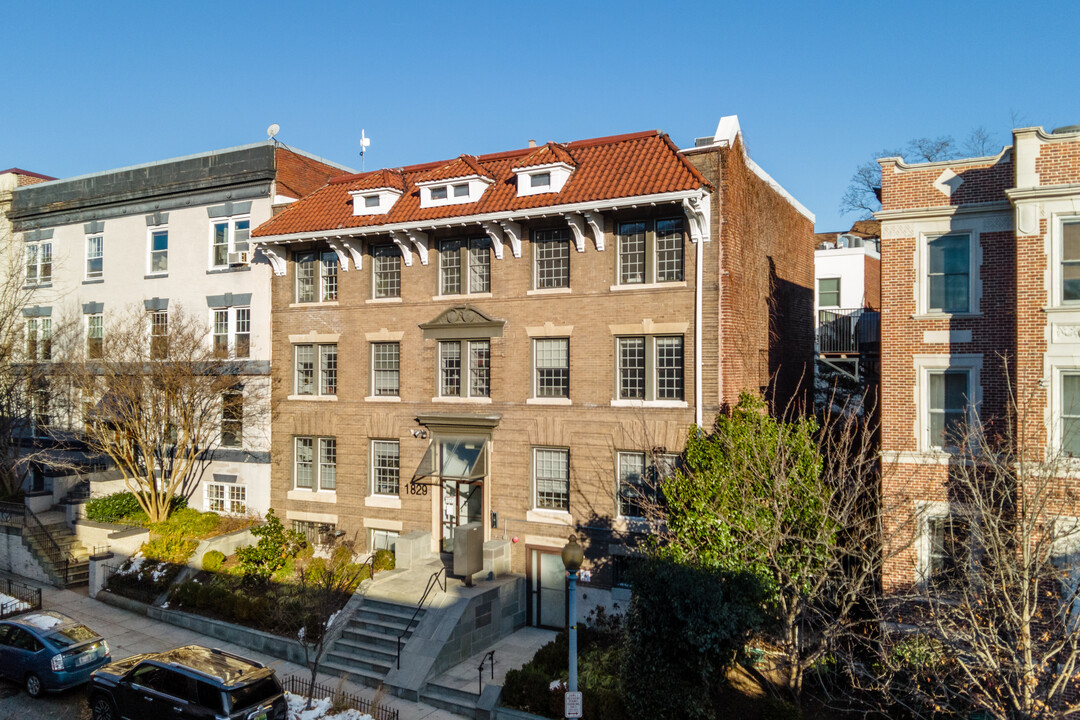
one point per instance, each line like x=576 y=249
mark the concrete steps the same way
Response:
x=78 y=571
x=454 y=700
x=367 y=648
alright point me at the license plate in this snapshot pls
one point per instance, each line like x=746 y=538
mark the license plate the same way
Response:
x=85 y=658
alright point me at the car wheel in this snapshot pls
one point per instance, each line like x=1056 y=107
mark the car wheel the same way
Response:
x=33 y=685
x=101 y=708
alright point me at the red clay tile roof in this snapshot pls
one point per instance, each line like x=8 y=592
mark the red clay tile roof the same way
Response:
x=621 y=166
x=547 y=155
x=463 y=166
x=380 y=179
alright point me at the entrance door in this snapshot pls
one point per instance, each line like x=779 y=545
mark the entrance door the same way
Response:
x=460 y=505
x=547 y=589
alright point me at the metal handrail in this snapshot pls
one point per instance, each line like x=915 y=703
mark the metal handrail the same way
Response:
x=847 y=330
x=437 y=578
x=60 y=557
x=480 y=685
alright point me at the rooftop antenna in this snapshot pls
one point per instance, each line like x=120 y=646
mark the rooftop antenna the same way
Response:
x=365 y=141
x=273 y=130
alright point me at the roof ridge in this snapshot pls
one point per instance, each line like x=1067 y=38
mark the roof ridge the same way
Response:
x=612 y=139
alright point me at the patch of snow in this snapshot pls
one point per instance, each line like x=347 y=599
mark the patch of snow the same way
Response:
x=556 y=684
x=330 y=622
x=11 y=604
x=319 y=709
x=42 y=622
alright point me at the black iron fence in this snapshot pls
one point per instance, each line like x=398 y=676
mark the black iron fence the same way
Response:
x=847 y=330
x=20 y=598
x=301 y=686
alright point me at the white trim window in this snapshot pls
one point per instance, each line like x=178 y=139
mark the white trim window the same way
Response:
x=158 y=252
x=551 y=367
x=828 y=292
x=382 y=540
x=226 y=498
x=465 y=266
x=159 y=334
x=551 y=478
x=312 y=379
x=231 y=332
x=551 y=258
x=95 y=257
x=949 y=273
x=228 y=236
x=39 y=339
x=1069 y=413
x=385 y=467
x=465 y=368
x=1069 y=260
x=95 y=336
x=943 y=546
x=385 y=369
x=386 y=271
x=949 y=393
x=638 y=482
x=39 y=263
x=650 y=251
x=232 y=418
x=311 y=472
x=650 y=368
x=317 y=276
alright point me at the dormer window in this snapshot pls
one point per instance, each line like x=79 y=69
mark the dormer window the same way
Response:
x=546 y=178
x=374 y=202
x=540 y=180
x=461 y=190
x=457 y=191
x=371 y=201
x=438 y=193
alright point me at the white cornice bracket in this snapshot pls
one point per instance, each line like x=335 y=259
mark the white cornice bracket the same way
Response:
x=402 y=241
x=354 y=248
x=596 y=222
x=420 y=240
x=513 y=232
x=496 y=234
x=277 y=262
x=697 y=213
x=577 y=226
x=343 y=256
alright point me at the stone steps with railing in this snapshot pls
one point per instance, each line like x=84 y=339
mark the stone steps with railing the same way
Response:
x=367 y=648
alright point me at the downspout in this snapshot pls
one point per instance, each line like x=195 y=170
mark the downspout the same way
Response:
x=697 y=330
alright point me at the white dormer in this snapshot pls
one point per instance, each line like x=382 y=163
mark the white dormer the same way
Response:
x=540 y=179
x=455 y=191
x=374 y=202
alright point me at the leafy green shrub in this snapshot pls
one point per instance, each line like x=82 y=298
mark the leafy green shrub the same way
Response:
x=275 y=547
x=123 y=506
x=528 y=689
x=384 y=560
x=143 y=579
x=188 y=523
x=169 y=549
x=213 y=560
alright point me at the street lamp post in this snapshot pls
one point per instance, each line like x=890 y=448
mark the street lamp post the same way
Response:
x=572 y=557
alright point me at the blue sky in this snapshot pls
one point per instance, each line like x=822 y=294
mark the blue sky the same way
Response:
x=818 y=87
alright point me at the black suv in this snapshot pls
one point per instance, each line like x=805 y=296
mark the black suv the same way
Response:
x=188 y=682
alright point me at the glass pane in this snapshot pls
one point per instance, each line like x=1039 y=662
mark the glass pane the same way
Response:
x=304 y=456
x=305 y=277
x=1070 y=241
x=450 y=368
x=632 y=253
x=632 y=368
x=450 y=263
x=948 y=254
x=552 y=582
x=305 y=369
x=669 y=250
x=669 y=368
x=1070 y=436
x=241 y=232
x=328 y=369
x=480 y=368
x=479 y=265
x=955 y=390
x=552 y=473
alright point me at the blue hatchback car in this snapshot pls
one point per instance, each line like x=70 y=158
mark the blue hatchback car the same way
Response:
x=49 y=651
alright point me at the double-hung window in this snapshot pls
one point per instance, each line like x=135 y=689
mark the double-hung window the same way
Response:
x=159 y=252
x=39 y=339
x=639 y=481
x=385 y=369
x=650 y=252
x=465 y=368
x=228 y=236
x=949 y=550
x=948 y=266
x=551 y=359
x=1070 y=413
x=315 y=463
x=947 y=407
x=316 y=276
x=316 y=369
x=38 y=263
x=828 y=292
x=227 y=498
x=551 y=478
x=95 y=336
x=385 y=467
x=1070 y=261
x=551 y=258
x=159 y=334
x=465 y=266
x=232 y=418
x=386 y=267
x=650 y=368
x=232 y=332
x=95 y=256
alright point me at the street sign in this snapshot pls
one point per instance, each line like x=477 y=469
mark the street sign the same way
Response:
x=572 y=705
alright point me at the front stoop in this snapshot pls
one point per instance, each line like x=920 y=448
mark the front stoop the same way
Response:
x=457 y=701
x=367 y=648
x=78 y=571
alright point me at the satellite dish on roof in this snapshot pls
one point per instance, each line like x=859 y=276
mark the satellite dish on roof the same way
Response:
x=273 y=130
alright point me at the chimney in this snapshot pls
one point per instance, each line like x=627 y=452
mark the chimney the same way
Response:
x=532 y=143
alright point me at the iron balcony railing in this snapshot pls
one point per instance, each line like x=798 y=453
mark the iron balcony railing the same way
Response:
x=847 y=331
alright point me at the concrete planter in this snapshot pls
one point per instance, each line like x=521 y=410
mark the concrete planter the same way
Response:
x=257 y=640
x=504 y=713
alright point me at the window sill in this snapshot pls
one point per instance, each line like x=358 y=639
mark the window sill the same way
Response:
x=650 y=403
x=327 y=303
x=461 y=296
x=323 y=496
x=625 y=523
x=38 y=286
x=93 y=281
x=383 y=501
x=548 y=401
x=462 y=400
x=1054 y=309
x=649 y=286
x=313 y=398
x=548 y=291
x=380 y=301
x=223 y=270
x=550 y=517
x=383 y=398
x=921 y=457
x=946 y=316
x=155 y=276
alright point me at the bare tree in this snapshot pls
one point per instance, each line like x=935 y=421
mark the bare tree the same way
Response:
x=156 y=400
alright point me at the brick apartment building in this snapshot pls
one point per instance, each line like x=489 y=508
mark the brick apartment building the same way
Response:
x=519 y=339
x=980 y=292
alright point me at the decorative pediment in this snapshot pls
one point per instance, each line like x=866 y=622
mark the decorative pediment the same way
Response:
x=460 y=322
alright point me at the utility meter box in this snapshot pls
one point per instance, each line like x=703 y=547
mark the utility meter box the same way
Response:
x=468 y=550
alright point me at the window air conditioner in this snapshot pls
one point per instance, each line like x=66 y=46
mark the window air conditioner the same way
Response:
x=238 y=258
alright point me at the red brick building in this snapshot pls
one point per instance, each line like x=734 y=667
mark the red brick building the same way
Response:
x=521 y=339
x=980 y=294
